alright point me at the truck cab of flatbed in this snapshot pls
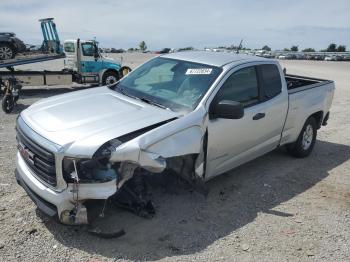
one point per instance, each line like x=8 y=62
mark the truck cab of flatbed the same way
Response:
x=83 y=58
x=83 y=64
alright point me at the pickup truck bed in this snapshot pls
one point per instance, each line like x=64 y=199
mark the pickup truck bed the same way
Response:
x=297 y=83
x=306 y=96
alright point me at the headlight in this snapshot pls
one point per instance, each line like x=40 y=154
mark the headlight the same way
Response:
x=94 y=170
x=89 y=170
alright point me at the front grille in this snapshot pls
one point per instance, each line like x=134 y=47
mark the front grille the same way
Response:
x=40 y=160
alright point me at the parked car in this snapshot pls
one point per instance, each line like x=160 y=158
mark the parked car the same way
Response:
x=114 y=50
x=333 y=58
x=10 y=45
x=193 y=114
x=318 y=57
x=309 y=57
x=285 y=56
x=268 y=55
x=346 y=57
x=300 y=56
x=164 y=51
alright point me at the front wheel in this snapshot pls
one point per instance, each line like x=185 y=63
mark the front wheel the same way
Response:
x=306 y=140
x=109 y=78
x=7 y=103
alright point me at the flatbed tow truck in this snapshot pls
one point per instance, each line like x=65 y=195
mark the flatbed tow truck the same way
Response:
x=83 y=64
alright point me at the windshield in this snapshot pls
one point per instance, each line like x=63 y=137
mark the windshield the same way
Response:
x=174 y=84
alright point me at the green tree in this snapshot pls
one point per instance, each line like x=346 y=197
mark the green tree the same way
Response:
x=341 y=48
x=286 y=49
x=143 y=46
x=266 y=48
x=331 y=48
x=294 y=48
x=309 y=49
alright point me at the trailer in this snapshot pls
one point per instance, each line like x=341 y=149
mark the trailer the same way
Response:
x=83 y=64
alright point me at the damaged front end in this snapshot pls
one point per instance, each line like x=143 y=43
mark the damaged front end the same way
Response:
x=126 y=161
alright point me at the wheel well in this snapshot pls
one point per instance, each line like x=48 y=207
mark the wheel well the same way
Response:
x=318 y=117
x=111 y=70
x=8 y=43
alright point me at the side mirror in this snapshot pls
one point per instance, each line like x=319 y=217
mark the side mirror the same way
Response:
x=96 y=53
x=227 y=109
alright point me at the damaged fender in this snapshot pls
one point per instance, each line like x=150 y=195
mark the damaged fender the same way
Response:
x=181 y=137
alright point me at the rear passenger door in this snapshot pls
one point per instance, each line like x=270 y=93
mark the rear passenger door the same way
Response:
x=232 y=142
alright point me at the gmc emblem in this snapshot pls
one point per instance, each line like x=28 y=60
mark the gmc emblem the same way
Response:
x=26 y=153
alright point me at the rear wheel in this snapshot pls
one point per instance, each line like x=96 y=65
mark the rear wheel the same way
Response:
x=306 y=140
x=6 y=51
x=7 y=103
x=110 y=77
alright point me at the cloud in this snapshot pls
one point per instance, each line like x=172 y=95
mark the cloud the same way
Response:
x=163 y=23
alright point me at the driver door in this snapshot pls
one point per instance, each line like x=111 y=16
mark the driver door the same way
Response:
x=89 y=63
x=232 y=142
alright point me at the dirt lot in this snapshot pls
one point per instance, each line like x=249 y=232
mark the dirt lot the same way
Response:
x=275 y=208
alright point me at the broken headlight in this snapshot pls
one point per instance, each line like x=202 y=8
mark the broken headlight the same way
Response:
x=98 y=169
x=88 y=170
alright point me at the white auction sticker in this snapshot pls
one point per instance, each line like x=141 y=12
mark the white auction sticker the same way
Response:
x=199 y=71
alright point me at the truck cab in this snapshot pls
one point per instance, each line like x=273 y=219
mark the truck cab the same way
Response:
x=84 y=59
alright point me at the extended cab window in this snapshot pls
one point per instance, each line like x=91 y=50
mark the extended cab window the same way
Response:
x=271 y=84
x=241 y=86
x=88 y=49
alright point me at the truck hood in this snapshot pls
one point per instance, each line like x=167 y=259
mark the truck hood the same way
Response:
x=111 y=60
x=91 y=117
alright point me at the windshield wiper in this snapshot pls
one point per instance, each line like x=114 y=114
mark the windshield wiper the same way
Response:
x=148 y=101
x=122 y=91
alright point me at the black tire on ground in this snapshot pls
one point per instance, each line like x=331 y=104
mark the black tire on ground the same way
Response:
x=306 y=140
x=7 y=104
x=6 y=51
x=109 y=78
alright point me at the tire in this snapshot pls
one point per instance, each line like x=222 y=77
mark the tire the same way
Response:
x=6 y=51
x=7 y=104
x=124 y=71
x=109 y=78
x=306 y=140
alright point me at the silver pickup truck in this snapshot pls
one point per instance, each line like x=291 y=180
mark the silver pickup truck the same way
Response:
x=194 y=114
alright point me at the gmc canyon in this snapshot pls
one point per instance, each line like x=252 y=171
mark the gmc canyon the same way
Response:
x=195 y=114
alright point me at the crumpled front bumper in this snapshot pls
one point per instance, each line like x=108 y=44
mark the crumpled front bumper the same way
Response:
x=53 y=202
x=44 y=206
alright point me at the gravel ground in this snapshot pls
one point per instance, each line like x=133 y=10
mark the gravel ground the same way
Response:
x=275 y=208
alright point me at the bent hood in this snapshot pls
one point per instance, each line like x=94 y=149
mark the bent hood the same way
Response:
x=91 y=117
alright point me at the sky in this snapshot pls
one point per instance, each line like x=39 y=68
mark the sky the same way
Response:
x=199 y=23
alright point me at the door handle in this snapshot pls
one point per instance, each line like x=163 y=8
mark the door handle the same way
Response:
x=258 y=116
